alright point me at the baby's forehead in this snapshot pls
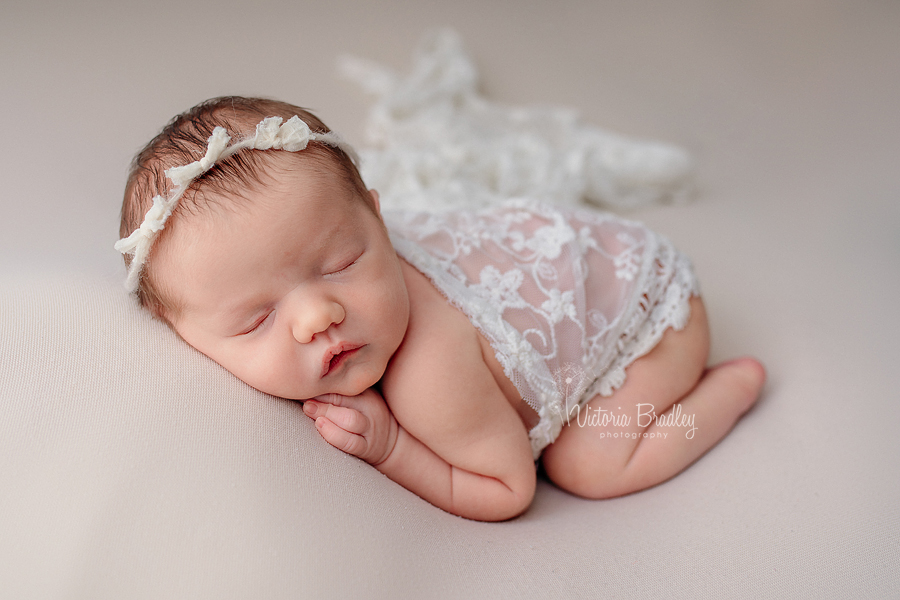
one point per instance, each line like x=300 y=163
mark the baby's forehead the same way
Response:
x=285 y=190
x=272 y=234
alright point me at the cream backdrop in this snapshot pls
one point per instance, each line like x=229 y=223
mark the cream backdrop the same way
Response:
x=133 y=467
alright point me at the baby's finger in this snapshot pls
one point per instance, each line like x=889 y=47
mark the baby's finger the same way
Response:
x=334 y=399
x=340 y=438
x=348 y=419
x=355 y=402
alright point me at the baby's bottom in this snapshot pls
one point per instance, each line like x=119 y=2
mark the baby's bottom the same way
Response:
x=616 y=446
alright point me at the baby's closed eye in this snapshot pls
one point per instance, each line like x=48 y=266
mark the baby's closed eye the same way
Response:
x=257 y=324
x=344 y=264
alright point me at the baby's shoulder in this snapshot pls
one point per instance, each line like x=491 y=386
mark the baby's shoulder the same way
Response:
x=439 y=369
x=439 y=338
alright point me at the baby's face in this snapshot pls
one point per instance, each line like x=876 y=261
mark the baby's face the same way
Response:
x=299 y=293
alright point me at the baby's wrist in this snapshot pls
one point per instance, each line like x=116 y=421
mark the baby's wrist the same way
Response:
x=383 y=464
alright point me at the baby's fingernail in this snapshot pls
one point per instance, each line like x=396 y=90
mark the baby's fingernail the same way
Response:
x=309 y=408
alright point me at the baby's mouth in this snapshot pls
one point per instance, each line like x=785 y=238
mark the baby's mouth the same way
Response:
x=337 y=356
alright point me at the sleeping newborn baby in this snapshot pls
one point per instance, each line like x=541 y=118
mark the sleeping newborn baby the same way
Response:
x=450 y=351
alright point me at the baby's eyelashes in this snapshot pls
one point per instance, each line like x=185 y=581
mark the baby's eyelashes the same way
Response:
x=344 y=265
x=257 y=324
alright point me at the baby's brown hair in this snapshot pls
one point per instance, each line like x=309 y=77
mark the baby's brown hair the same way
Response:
x=184 y=140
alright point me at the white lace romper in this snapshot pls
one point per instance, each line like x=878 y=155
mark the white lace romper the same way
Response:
x=566 y=298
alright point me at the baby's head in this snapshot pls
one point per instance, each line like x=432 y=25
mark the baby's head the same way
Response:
x=269 y=255
x=185 y=140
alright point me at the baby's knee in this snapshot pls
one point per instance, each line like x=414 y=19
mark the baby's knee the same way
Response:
x=594 y=481
x=580 y=471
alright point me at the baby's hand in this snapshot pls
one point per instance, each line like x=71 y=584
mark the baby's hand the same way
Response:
x=359 y=425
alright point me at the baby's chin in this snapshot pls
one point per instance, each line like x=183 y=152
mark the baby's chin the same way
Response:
x=344 y=388
x=359 y=377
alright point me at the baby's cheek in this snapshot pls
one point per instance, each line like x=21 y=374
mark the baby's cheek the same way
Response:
x=391 y=289
x=263 y=372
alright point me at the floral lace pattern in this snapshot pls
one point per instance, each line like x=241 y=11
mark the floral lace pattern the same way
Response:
x=566 y=298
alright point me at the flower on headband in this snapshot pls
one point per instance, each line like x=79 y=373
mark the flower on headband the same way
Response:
x=155 y=219
x=182 y=176
x=266 y=133
x=153 y=222
x=293 y=136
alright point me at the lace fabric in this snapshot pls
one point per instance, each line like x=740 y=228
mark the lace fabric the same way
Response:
x=566 y=298
x=434 y=142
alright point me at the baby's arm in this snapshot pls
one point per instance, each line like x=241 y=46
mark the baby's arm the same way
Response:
x=477 y=463
x=444 y=429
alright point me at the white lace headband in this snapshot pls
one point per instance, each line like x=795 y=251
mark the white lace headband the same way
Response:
x=294 y=135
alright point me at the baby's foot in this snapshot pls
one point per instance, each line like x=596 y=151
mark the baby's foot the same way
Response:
x=745 y=376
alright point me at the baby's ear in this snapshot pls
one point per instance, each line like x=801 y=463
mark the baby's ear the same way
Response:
x=375 y=201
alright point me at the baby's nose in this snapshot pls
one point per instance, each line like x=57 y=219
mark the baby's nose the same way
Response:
x=316 y=318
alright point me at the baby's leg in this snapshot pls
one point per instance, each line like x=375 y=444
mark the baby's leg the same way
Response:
x=671 y=381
